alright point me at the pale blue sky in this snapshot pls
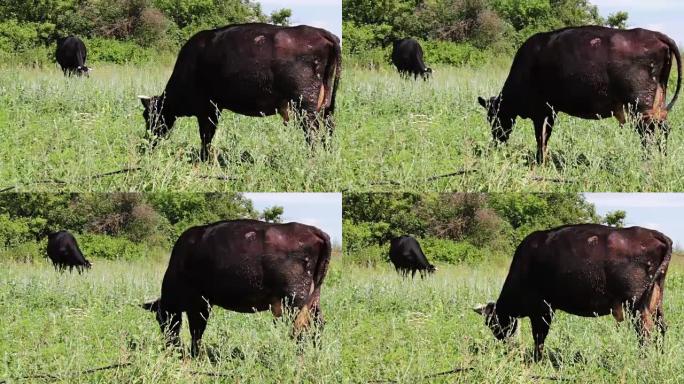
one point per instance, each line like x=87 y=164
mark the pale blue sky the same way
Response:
x=322 y=210
x=660 y=15
x=326 y=14
x=660 y=211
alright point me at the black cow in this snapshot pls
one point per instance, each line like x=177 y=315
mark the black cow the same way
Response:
x=407 y=256
x=244 y=266
x=71 y=56
x=407 y=56
x=63 y=251
x=589 y=72
x=253 y=70
x=586 y=270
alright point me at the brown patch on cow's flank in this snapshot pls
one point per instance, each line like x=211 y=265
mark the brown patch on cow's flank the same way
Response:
x=619 y=313
x=277 y=308
x=655 y=298
x=321 y=98
x=658 y=111
x=302 y=321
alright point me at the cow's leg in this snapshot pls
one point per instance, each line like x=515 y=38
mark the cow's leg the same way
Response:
x=541 y=323
x=197 y=320
x=207 y=128
x=413 y=274
x=660 y=320
x=542 y=132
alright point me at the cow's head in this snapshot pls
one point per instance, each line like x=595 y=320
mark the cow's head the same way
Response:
x=83 y=70
x=162 y=317
x=501 y=325
x=502 y=124
x=427 y=73
x=156 y=121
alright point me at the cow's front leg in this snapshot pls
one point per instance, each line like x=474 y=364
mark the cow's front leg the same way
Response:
x=207 y=128
x=540 y=329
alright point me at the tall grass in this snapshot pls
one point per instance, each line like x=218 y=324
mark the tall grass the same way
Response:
x=400 y=134
x=63 y=324
x=62 y=133
x=404 y=330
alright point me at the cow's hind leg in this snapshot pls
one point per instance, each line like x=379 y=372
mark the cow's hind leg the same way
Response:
x=543 y=127
x=207 y=128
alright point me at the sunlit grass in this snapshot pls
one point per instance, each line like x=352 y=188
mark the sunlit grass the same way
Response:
x=405 y=330
x=62 y=133
x=63 y=324
x=400 y=134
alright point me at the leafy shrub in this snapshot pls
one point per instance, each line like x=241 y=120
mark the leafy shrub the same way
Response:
x=451 y=252
x=19 y=230
x=370 y=256
x=28 y=252
x=111 y=248
x=119 y=52
x=458 y=54
x=16 y=36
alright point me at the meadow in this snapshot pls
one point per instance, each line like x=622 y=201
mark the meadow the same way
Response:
x=433 y=136
x=56 y=326
x=379 y=328
x=410 y=331
x=88 y=134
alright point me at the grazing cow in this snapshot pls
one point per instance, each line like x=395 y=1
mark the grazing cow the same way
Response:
x=586 y=270
x=71 y=56
x=244 y=266
x=407 y=256
x=589 y=72
x=253 y=70
x=63 y=251
x=407 y=56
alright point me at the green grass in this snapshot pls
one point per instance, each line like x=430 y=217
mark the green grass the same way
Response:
x=60 y=133
x=396 y=134
x=405 y=330
x=62 y=324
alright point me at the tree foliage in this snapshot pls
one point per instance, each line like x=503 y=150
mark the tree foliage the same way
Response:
x=112 y=223
x=372 y=24
x=458 y=223
x=148 y=23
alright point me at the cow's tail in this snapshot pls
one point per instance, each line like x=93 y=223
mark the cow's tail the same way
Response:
x=678 y=58
x=331 y=76
x=652 y=296
x=303 y=318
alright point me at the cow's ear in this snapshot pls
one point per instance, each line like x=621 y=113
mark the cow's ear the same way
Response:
x=152 y=306
x=484 y=309
x=145 y=100
x=482 y=101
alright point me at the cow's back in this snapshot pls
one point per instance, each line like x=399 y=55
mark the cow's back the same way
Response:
x=237 y=264
x=582 y=269
x=247 y=68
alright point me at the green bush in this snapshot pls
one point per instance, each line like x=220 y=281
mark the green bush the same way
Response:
x=361 y=235
x=458 y=54
x=18 y=37
x=28 y=252
x=111 y=248
x=370 y=256
x=452 y=252
x=119 y=52
x=19 y=230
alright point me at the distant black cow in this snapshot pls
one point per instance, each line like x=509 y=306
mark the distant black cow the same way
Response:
x=407 y=256
x=253 y=70
x=586 y=270
x=244 y=266
x=589 y=72
x=71 y=56
x=407 y=56
x=64 y=253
